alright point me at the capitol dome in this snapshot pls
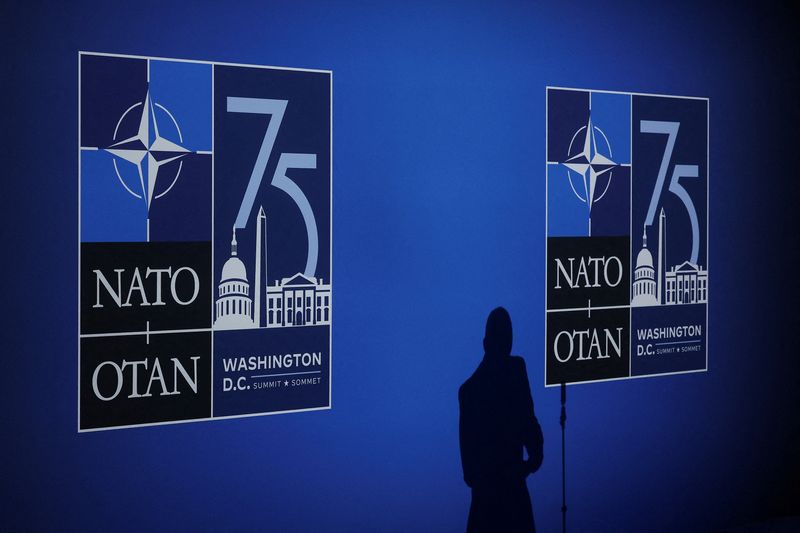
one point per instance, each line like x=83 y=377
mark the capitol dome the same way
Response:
x=233 y=307
x=645 y=291
x=645 y=258
x=235 y=269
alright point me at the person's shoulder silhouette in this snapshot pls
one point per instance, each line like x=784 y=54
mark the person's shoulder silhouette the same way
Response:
x=497 y=422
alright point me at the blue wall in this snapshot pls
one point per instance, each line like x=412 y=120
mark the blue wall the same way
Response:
x=438 y=217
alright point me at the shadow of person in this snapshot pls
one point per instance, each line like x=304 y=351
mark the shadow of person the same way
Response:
x=496 y=422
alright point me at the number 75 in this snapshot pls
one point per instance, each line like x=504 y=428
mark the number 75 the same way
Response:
x=276 y=109
x=680 y=171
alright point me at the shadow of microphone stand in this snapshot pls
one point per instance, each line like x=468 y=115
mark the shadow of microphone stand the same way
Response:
x=563 y=421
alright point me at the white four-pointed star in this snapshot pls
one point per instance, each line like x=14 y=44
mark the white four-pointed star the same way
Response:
x=590 y=164
x=138 y=148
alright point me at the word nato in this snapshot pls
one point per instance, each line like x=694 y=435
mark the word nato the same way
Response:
x=134 y=284
x=588 y=274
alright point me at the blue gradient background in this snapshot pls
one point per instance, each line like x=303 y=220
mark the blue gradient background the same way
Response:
x=438 y=216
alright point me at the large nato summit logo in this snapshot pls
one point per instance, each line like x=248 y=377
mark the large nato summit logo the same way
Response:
x=626 y=177
x=205 y=240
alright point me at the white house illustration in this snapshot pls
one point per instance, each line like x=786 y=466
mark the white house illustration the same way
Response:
x=686 y=283
x=298 y=300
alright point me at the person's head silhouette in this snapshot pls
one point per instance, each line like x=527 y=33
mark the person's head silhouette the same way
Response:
x=498 y=337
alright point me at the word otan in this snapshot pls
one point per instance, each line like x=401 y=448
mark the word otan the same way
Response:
x=153 y=373
x=590 y=272
x=588 y=344
x=135 y=285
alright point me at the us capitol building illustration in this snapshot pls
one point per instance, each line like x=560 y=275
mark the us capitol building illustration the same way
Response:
x=686 y=283
x=291 y=302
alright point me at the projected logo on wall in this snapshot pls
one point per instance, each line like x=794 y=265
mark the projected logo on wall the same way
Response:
x=627 y=235
x=205 y=240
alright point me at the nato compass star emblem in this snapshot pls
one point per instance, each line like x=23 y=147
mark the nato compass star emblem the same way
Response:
x=148 y=151
x=589 y=167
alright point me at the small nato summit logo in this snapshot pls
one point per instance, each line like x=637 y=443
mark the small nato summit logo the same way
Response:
x=205 y=240
x=627 y=235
